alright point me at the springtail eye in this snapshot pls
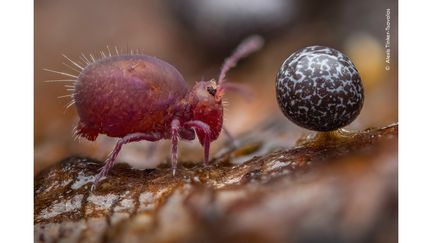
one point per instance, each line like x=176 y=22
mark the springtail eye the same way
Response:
x=211 y=90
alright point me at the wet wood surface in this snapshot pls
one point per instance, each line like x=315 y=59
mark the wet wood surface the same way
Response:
x=335 y=189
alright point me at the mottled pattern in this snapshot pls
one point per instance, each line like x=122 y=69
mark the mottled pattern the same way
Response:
x=319 y=88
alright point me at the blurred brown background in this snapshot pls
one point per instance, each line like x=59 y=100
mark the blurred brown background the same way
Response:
x=196 y=36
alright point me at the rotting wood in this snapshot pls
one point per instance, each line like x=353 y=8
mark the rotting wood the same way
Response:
x=335 y=192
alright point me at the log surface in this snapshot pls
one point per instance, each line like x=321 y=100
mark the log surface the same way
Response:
x=342 y=191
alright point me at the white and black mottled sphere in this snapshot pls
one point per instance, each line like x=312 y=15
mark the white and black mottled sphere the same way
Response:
x=319 y=88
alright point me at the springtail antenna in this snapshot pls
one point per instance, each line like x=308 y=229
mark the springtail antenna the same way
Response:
x=244 y=49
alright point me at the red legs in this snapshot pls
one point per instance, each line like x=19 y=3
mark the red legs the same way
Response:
x=175 y=126
x=206 y=146
x=109 y=162
x=198 y=125
x=135 y=137
x=204 y=128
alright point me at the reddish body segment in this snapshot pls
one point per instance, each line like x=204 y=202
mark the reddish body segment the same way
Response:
x=129 y=94
x=139 y=97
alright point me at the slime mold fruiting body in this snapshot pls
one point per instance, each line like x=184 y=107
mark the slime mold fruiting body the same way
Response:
x=319 y=88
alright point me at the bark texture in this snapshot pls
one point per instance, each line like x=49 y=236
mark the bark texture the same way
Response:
x=329 y=189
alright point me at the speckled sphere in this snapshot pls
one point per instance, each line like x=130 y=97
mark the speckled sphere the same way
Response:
x=319 y=88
